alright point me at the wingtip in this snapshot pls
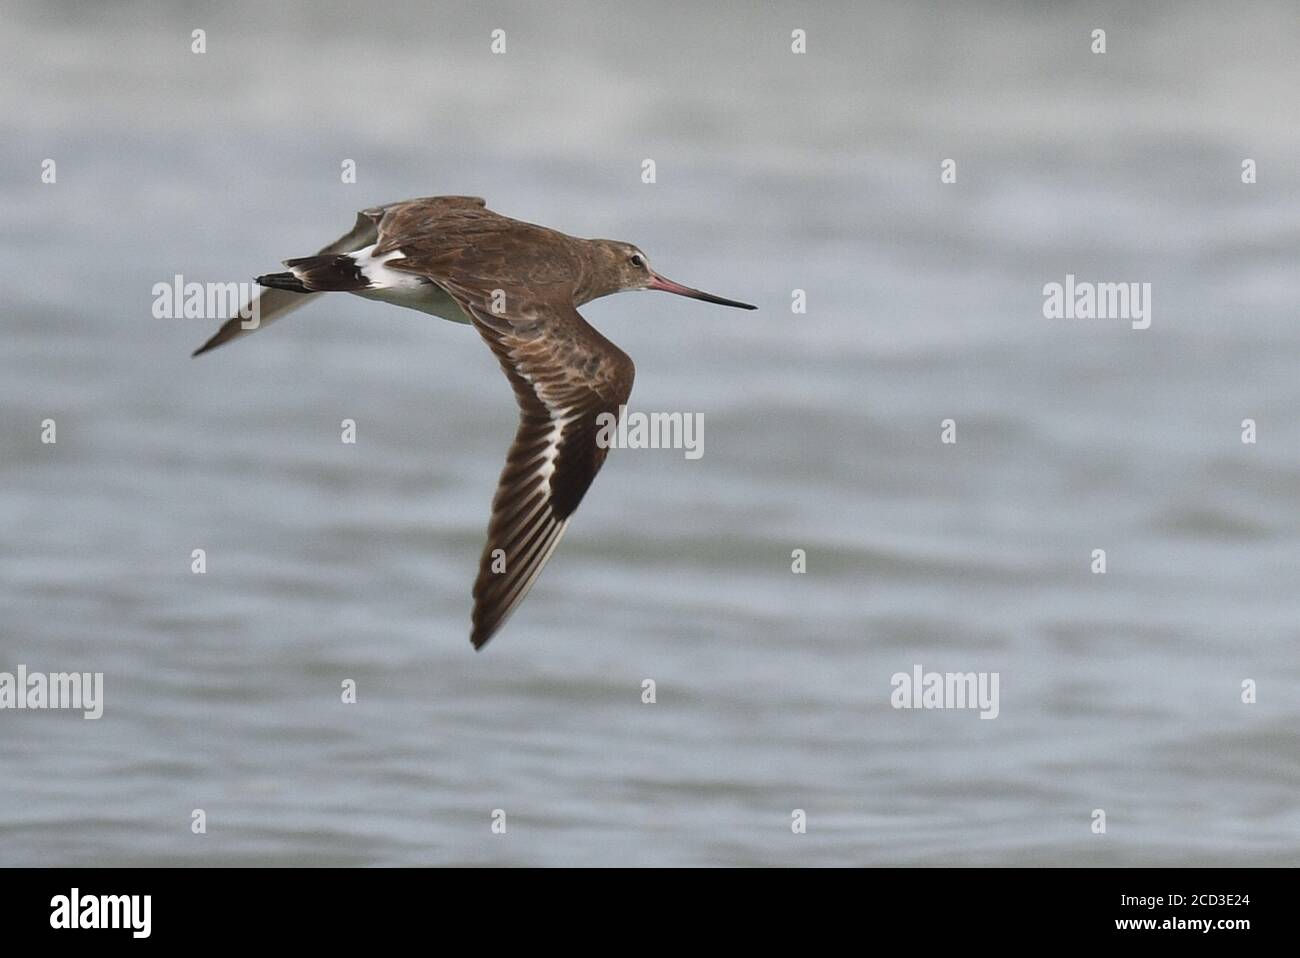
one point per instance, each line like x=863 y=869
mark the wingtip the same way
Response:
x=481 y=631
x=216 y=339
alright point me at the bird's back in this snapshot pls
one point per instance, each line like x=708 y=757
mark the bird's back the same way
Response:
x=474 y=248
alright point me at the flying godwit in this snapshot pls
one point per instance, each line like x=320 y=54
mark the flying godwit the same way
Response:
x=520 y=286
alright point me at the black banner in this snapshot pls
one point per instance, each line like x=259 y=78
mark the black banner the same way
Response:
x=88 y=907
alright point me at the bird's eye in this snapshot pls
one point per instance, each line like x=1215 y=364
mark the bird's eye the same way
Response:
x=637 y=260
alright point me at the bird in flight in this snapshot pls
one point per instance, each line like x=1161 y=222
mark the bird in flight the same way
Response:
x=520 y=286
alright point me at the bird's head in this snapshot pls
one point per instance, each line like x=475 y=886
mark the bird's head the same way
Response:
x=620 y=267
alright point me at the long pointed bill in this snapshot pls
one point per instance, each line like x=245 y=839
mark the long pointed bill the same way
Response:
x=668 y=286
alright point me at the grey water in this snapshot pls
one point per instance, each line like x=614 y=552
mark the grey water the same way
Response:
x=774 y=172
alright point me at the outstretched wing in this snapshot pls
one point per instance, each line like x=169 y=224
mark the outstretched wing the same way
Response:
x=564 y=374
x=275 y=303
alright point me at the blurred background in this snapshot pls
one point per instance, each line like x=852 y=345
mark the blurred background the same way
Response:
x=775 y=172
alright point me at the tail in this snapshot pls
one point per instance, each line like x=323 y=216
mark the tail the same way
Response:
x=318 y=274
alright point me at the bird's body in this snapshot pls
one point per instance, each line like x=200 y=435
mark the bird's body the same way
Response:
x=519 y=285
x=404 y=289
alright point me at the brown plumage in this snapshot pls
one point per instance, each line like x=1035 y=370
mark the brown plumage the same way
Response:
x=519 y=285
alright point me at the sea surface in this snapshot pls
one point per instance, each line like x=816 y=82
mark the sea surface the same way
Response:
x=774 y=172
